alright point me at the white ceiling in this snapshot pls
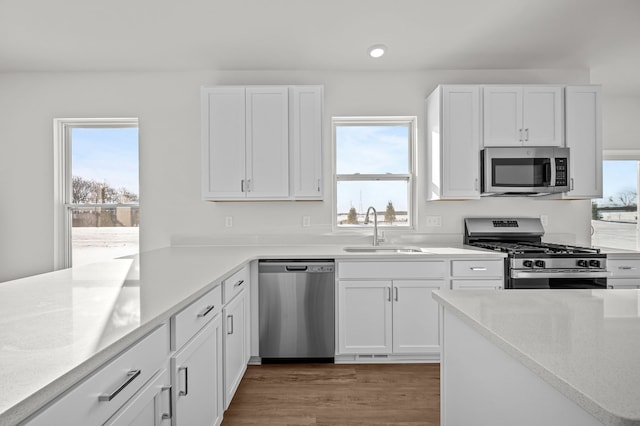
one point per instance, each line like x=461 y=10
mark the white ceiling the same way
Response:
x=130 y=35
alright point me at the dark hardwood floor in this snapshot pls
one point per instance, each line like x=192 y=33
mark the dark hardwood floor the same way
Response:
x=329 y=394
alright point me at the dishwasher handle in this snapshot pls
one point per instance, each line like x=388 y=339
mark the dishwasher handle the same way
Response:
x=302 y=268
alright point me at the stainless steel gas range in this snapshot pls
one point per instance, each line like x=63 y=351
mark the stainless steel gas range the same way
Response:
x=532 y=264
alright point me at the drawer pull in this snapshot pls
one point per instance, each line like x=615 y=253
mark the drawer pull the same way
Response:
x=131 y=376
x=206 y=310
x=478 y=268
x=184 y=392
x=626 y=268
x=167 y=416
x=239 y=283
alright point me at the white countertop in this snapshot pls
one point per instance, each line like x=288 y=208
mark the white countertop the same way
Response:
x=55 y=328
x=585 y=343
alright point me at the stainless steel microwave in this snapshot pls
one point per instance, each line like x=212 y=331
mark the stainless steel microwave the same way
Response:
x=525 y=170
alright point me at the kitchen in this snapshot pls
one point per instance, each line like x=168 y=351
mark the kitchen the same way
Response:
x=165 y=98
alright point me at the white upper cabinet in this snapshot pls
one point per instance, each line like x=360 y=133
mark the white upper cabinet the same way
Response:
x=453 y=142
x=261 y=142
x=306 y=110
x=523 y=115
x=584 y=138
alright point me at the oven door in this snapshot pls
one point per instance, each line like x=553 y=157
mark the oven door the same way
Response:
x=557 y=280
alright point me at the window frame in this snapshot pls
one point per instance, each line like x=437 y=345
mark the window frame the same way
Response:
x=62 y=181
x=411 y=123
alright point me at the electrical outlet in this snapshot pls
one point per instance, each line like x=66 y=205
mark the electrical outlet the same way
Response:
x=228 y=221
x=434 y=220
x=306 y=221
x=544 y=219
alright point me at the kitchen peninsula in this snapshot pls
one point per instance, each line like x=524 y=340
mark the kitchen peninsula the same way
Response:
x=60 y=328
x=532 y=357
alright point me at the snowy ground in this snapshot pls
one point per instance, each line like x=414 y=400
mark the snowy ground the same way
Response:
x=96 y=244
x=615 y=234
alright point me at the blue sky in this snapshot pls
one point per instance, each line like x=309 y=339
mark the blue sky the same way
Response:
x=618 y=176
x=106 y=155
x=371 y=150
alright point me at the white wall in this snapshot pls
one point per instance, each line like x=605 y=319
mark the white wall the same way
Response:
x=167 y=105
x=621 y=118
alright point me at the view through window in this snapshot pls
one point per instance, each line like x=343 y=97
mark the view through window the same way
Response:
x=615 y=215
x=103 y=198
x=374 y=167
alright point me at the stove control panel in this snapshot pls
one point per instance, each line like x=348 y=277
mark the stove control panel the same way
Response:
x=558 y=263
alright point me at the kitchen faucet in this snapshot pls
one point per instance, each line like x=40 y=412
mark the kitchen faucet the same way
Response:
x=376 y=240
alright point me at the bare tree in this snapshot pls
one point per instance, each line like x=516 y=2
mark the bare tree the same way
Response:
x=89 y=191
x=627 y=198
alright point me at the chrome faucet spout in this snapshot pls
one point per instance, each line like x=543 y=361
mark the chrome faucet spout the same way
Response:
x=375 y=224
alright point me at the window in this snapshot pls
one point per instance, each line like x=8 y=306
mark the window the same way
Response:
x=96 y=190
x=374 y=168
x=615 y=215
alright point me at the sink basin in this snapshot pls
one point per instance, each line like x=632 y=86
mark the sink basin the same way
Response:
x=378 y=249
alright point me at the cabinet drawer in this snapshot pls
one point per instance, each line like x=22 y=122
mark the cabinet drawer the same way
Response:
x=187 y=322
x=392 y=270
x=624 y=267
x=623 y=283
x=102 y=394
x=236 y=283
x=477 y=268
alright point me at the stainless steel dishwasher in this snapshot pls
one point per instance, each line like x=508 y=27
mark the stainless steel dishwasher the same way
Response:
x=296 y=310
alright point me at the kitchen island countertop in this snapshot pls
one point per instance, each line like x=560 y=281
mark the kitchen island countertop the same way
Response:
x=584 y=343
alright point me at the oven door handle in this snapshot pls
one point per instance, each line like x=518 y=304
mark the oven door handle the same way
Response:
x=589 y=274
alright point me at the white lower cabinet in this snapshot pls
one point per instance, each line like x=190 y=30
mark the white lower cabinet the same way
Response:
x=386 y=308
x=121 y=388
x=150 y=407
x=236 y=342
x=385 y=317
x=197 y=378
x=624 y=270
x=477 y=274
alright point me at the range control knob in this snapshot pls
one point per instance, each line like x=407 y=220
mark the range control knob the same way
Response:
x=593 y=263
x=539 y=263
x=582 y=263
x=527 y=263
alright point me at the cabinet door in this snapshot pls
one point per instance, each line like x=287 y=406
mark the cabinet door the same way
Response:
x=223 y=143
x=197 y=378
x=416 y=325
x=502 y=115
x=235 y=344
x=477 y=284
x=267 y=138
x=460 y=147
x=306 y=141
x=364 y=317
x=151 y=406
x=584 y=138
x=543 y=116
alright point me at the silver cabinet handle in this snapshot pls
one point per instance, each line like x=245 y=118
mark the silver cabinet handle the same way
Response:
x=169 y=415
x=388 y=294
x=230 y=317
x=242 y=185
x=571 y=184
x=206 y=310
x=526 y=134
x=520 y=135
x=239 y=283
x=626 y=268
x=396 y=289
x=478 y=268
x=248 y=185
x=131 y=376
x=184 y=392
x=318 y=185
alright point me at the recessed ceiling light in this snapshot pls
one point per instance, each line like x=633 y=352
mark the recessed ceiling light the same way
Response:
x=377 y=50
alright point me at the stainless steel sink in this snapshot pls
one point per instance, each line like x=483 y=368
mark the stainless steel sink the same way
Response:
x=378 y=249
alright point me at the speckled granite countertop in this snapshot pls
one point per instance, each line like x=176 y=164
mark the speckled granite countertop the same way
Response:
x=584 y=343
x=56 y=328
